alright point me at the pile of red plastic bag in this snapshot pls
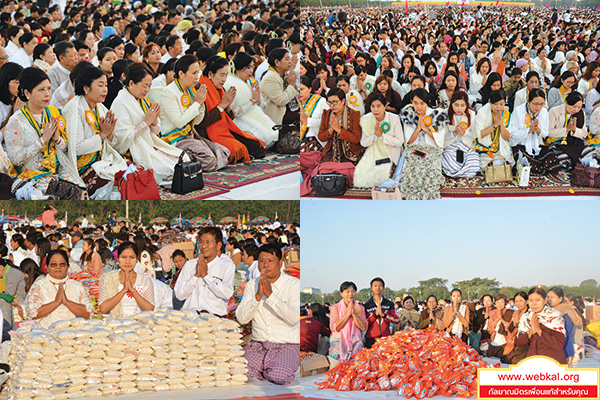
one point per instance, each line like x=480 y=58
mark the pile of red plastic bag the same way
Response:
x=419 y=363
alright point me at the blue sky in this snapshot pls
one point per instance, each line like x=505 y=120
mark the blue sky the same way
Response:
x=517 y=242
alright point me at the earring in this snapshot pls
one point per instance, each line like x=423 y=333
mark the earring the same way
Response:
x=87 y=92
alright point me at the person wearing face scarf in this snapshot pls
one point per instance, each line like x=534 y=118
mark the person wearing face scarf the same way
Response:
x=530 y=128
x=124 y=292
x=542 y=328
x=56 y=297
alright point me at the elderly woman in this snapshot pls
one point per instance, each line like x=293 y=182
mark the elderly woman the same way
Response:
x=542 y=328
x=278 y=88
x=123 y=292
x=340 y=130
x=456 y=316
x=383 y=138
x=217 y=125
x=347 y=321
x=55 y=297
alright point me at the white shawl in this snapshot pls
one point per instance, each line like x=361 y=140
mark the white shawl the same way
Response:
x=483 y=119
x=132 y=134
x=78 y=129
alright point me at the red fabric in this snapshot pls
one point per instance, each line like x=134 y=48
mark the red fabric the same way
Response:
x=310 y=329
x=220 y=131
x=346 y=168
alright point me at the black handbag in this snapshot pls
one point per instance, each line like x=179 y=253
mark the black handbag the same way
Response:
x=65 y=190
x=187 y=176
x=329 y=185
x=289 y=138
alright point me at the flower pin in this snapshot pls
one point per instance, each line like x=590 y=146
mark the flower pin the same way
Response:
x=464 y=125
x=353 y=100
x=62 y=123
x=385 y=127
x=185 y=100
x=527 y=120
x=428 y=120
x=89 y=117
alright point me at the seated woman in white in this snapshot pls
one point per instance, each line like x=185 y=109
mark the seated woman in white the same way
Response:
x=138 y=126
x=478 y=79
x=55 y=297
x=181 y=108
x=164 y=79
x=459 y=159
x=124 y=293
x=492 y=128
x=533 y=82
x=595 y=127
x=530 y=128
x=248 y=115
x=383 y=138
x=543 y=66
x=568 y=132
x=592 y=102
x=424 y=132
x=35 y=138
x=353 y=98
x=311 y=110
x=90 y=128
x=589 y=79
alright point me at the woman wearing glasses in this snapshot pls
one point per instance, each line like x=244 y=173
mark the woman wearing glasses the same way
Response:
x=340 y=130
x=249 y=117
x=530 y=129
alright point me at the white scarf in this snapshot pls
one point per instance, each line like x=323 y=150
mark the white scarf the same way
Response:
x=41 y=64
x=549 y=317
x=457 y=326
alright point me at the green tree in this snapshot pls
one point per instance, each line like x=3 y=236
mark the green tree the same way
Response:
x=477 y=287
x=589 y=282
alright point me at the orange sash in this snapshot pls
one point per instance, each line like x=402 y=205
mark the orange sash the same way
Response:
x=220 y=131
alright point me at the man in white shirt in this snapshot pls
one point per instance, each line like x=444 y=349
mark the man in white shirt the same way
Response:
x=24 y=56
x=66 y=57
x=206 y=283
x=30 y=240
x=272 y=302
x=174 y=46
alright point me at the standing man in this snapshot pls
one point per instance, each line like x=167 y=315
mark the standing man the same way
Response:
x=381 y=312
x=206 y=283
x=272 y=302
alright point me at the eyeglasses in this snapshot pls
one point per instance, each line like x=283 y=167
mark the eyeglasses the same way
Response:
x=538 y=104
x=333 y=103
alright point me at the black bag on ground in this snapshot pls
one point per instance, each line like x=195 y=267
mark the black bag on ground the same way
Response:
x=289 y=138
x=65 y=190
x=187 y=176
x=329 y=185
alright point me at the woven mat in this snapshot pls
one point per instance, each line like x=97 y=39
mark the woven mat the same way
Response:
x=208 y=191
x=558 y=184
x=258 y=170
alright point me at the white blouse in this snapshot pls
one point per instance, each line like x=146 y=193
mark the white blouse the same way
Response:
x=520 y=133
x=43 y=292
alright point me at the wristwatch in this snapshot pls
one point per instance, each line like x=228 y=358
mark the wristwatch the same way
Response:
x=220 y=108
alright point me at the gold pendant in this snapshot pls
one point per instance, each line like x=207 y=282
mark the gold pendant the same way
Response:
x=564 y=141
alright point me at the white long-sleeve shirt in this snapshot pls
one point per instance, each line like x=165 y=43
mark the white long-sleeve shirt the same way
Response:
x=276 y=318
x=210 y=293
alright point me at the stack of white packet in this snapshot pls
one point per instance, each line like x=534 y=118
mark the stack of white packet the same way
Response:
x=158 y=350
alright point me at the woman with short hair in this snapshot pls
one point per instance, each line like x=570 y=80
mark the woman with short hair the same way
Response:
x=347 y=321
x=56 y=297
